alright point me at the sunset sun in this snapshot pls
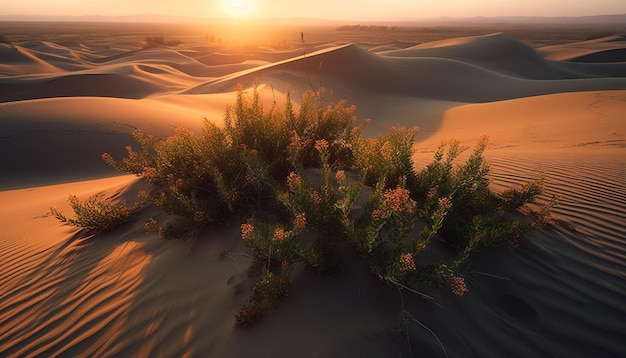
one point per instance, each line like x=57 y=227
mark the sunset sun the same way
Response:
x=239 y=9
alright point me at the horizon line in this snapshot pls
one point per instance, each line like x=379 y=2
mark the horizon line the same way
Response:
x=187 y=18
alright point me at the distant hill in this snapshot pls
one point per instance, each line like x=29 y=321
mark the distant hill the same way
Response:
x=156 y=18
x=597 y=19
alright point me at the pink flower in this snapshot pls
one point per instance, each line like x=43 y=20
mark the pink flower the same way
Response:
x=299 y=222
x=246 y=230
x=340 y=176
x=377 y=214
x=321 y=145
x=458 y=286
x=279 y=235
x=295 y=144
x=315 y=197
x=293 y=180
x=407 y=263
x=251 y=179
x=398 y=200
x=151 y=225
x=445 y=203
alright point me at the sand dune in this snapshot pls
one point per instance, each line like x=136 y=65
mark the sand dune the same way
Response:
x=559 y=109
x=16 y=60
x=595 y=48
x=431 y=74
x=497 y=52
x=59 y=139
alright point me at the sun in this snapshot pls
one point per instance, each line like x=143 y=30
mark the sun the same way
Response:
x=239 y=9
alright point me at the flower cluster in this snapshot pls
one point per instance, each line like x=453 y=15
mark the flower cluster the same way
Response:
x=398 y=200
x=293 y=181
x=445 y=203
x=299 y=222
x=407 y=263
x=315 y=197
x=295 y=143
x=378 y=215
x=246 y=230
x=321 y=145
x=340 y=176
x=458 y=286
x=151 y=225
x=279 y=235
x=251 y=179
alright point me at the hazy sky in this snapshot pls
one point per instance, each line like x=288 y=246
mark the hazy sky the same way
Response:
x=326 y=9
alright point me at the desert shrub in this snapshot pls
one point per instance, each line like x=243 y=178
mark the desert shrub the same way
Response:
x=207 y=177
x=542 y=217
x=311 y=210
x=382 y=234
x=477 y=212
x=95 y=214
x=288 y=170
x=387 y=158
x=266 y=293
x=159 y=41
x=514 y=198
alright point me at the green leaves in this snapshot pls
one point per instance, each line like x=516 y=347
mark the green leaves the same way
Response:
x=289 y=169
x=94 y=214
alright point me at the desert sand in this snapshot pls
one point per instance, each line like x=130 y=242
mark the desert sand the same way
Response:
x=558 y=108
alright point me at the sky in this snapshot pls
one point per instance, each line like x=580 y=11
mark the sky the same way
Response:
x=363 y=10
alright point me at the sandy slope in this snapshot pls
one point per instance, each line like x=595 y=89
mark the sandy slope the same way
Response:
x=559 y=109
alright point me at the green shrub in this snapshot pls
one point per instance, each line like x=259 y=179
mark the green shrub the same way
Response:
x=387 y=158
x=95 y=214
x=266 y=293
x=477 y=212
x=206 y=178
x=289 y=171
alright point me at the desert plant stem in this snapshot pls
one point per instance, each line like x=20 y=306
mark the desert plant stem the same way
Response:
x=398 y=284
x=434 y=335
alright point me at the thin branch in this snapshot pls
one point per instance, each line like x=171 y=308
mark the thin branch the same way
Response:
x=434 y=335
x=235 y=261
x=240 y=254
x=406 y=328
x=389 y=279
x=489 y=275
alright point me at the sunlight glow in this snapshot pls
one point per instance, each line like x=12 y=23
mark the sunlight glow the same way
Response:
x=239 y=9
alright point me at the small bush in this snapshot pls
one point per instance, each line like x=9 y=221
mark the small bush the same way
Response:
x=207 y=178
x=288 y=170
x=266 y=293
x=159 y=41
x=477 y=214
x=95 y=214
x=542 y=217
x=387 y=158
